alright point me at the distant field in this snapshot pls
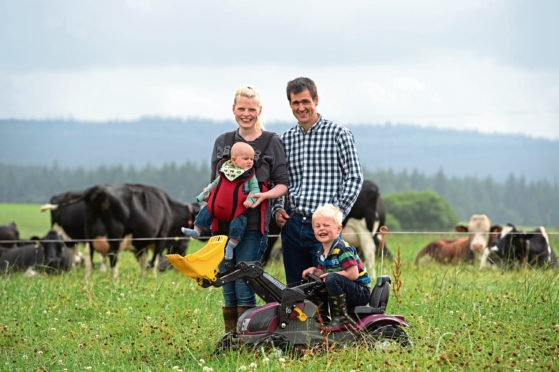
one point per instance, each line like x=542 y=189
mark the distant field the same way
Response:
x=462 y=319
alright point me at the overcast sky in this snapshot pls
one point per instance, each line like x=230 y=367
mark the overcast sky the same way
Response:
x=487 y=65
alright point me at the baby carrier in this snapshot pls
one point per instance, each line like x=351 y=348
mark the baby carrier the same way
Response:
x=226 y=198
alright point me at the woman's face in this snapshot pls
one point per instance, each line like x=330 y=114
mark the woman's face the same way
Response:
x=246 y=111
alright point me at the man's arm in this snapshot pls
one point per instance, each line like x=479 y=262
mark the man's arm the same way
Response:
x=351 y=172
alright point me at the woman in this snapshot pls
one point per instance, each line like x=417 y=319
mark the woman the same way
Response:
x=270 y=166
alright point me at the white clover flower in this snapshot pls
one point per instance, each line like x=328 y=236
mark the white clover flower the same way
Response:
x=108 y=313
x=40 y=352
x=53 y=329
x=281 y=360
x=148 y=317
x=265 y=361
x=207 y=369
x=451 y=312
x=242 y=368
x=252 y=366
x=25 y=356
x=175 y=367
x=88 y=367
x=60 y=363
x=201 y=362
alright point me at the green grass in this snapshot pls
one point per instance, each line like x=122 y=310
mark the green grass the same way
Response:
x=462 y=318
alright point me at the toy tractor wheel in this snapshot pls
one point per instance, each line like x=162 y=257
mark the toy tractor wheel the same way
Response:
x=228 y=342
x=272 y=342
x=387 y=334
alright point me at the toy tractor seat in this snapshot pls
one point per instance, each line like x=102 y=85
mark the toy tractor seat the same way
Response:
x=379 y=298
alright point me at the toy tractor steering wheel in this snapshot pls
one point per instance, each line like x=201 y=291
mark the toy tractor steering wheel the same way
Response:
x=315 y=278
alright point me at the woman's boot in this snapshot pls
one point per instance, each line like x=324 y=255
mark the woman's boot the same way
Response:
x=230 y=317
x=242 y=308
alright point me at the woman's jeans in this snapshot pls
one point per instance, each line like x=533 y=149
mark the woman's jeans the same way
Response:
x=250 y=248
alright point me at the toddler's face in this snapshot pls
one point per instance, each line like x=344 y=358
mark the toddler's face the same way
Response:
x=325 y=229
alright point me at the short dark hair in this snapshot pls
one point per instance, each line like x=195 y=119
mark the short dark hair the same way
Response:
x=299 y=85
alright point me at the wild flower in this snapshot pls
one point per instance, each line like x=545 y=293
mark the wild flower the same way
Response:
x=175 y=367
x=242 y=368
x=252 y=366
x=207 y=369
x=25 y=356
x=265 y=361
x=60 y=363
x=201 y=362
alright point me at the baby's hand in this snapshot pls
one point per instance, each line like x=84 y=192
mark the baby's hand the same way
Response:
x=247 y=203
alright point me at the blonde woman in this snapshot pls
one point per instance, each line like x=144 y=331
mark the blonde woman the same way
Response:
x=271 y=173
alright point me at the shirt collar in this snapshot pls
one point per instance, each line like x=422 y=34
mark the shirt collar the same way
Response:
x=317 y=123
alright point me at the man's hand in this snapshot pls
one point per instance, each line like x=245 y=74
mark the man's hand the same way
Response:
x=281 y=217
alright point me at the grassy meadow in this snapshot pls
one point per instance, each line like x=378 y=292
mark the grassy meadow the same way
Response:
x=462 y=318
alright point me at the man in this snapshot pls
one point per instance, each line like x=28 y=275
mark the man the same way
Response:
x=323 y=167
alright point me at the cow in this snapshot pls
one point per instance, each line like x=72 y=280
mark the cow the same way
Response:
x=368 y=207
x=47 y=253
x=68 y=219
x=9 y=235
x=518 y=247
x=68 y=215
x=464 y=249
x=144 y=213
x=356 y=233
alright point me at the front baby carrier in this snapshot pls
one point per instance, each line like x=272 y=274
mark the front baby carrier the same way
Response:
x=226 y=198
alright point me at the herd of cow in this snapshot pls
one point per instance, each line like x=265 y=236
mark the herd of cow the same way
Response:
x=110 y=218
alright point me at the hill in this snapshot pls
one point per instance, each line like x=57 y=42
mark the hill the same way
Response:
x=158 y=141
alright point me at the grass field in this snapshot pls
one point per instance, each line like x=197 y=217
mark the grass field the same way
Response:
x=462 y=319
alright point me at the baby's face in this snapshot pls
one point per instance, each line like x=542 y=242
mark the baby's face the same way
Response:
x=243 y=160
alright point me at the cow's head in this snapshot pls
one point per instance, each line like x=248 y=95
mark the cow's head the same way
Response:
x=481 y=232
x=53 y=246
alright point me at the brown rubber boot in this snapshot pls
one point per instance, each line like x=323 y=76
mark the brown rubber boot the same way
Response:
x=230 y=318
x=242 y=308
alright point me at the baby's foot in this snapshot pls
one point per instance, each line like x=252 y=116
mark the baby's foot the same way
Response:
x=190 y=232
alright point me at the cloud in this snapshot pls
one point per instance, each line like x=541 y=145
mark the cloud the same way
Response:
x=490 y=66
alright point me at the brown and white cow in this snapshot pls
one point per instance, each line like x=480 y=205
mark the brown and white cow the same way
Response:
x=472 y=248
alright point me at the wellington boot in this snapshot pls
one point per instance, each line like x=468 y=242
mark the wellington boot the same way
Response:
x=230 y=317
x=340 y=318
x=242 y=308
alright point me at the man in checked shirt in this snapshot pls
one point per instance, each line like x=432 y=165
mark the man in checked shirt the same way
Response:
x=323 y=167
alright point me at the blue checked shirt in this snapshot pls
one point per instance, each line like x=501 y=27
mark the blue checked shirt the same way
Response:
x=323 y=167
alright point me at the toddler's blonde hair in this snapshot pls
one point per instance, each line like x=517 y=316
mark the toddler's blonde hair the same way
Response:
x=329 y=211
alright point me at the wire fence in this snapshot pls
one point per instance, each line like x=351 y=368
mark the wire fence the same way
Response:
x=180 y=238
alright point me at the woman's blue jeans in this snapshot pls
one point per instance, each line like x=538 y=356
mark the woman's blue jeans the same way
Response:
x=251 y=248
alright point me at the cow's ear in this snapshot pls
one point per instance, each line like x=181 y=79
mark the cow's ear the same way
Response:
x=461 y=228
x=496 y=228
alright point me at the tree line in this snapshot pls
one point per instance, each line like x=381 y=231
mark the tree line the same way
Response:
x=515 y=200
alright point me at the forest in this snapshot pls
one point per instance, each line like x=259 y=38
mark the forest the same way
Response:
x=515 y=200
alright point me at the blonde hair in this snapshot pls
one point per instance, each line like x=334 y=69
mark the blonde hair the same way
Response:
x=241 y=148
x=249 y=92
x=329 y=211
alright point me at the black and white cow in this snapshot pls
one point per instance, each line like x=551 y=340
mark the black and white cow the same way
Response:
x=368 y=210
x=68 y=219
x=47 y=253
x=370 y=207
x=68 y=215
x=518 y=247
x=9 y=235
x=144 y=213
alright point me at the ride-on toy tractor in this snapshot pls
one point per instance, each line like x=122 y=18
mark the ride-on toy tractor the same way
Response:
x=290 y=318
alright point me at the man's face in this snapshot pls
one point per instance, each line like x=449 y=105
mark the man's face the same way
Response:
x=304 y=108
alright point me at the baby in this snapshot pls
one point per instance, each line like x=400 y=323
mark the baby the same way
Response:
x=227 y=201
